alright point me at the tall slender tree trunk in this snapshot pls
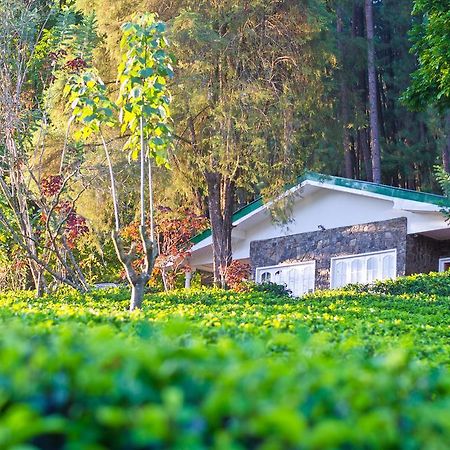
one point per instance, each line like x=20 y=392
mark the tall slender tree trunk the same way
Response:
x=220 y=202
x=346 y=141
x=446 y=146
x=363 y=145
x=362 y=140
x=373 y=96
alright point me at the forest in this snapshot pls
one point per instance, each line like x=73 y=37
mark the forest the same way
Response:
x=128 y=127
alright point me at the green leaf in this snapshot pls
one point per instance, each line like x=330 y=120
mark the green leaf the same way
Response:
x=147 y=72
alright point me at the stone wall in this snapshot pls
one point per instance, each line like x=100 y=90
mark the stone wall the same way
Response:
x=321 y=246
x=423 y=253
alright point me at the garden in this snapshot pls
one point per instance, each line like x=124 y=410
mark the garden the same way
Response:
x=364 y=367
x=128 y=129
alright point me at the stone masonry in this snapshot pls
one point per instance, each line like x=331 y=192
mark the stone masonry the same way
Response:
x=321 y=246
x=423 y=253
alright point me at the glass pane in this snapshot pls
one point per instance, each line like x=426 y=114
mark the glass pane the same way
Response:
x=277 y=277
x=266 y=277
x=357 y=273
x=388 y=266
x=308 y=279
x=294 y=278
x=372 y=269
x=339 y=274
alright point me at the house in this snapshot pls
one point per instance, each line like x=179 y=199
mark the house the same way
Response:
x=341 y=231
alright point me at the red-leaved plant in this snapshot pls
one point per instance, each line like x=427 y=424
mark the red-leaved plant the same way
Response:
x=237 y=274
x=174 y=230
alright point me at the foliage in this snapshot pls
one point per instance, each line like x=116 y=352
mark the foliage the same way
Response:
x=215 y=369
x=143 y=75
x=273 y=289
x=89 y=102
x=40 y=41
x=97 y=259
x=238 y=273
x=443 y=178
x=431 y=37
x=432 y=284
x=174 y=230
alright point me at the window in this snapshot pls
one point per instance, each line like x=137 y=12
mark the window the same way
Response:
x=444 y=264
x=364 y=268
x=266 y=277
x=299 y=278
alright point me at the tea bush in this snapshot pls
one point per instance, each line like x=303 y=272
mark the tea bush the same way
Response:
x=437 y=283
x=208 y=369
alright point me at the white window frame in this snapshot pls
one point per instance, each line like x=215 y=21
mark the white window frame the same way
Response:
x=442 y=262
x=365 y=257
x=261 y=270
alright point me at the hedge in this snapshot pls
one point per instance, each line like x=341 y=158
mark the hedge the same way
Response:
x=213 y=369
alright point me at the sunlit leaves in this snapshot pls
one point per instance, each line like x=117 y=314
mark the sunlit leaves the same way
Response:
x=430 y=84
x=143 y=75
x=91 y=107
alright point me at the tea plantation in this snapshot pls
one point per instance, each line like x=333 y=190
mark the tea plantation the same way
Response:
x=361 y=368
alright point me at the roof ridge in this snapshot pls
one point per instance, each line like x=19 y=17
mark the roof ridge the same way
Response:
x=377 y=188
x=372 y=183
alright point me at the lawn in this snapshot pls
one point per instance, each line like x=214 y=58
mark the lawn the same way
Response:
x=357 y=368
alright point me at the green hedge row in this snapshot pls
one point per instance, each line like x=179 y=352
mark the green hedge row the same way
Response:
x=211 y=369
x=437 y=283
x=87 y=388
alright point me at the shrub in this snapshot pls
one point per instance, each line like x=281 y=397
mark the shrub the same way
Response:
x=276 y=290
x=237 y=275
x=207 y=368
x=433 y=283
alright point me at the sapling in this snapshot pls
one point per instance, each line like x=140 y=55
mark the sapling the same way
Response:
x=143 y=115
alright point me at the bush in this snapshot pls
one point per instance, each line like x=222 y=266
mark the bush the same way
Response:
x=209 y=368
x=273 y=289
x=434 y=283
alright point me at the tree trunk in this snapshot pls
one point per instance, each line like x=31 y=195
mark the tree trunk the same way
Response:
x=137 y=281
x=373 y=96
x=137 y=293
x=446 y=147
x=220 y=202
x=358 y=30
x=363 y=145
x=346 y=141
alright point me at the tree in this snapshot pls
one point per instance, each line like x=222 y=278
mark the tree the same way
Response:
x=37 y=43
x=174 y=231
x=430 y=83
x=373 y=94
x=248 y=92
x=144 y=115
x=344 y=93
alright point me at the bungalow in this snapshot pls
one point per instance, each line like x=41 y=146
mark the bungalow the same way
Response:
x=341 y=231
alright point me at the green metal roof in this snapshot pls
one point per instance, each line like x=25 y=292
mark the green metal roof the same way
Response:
x=367 y=186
